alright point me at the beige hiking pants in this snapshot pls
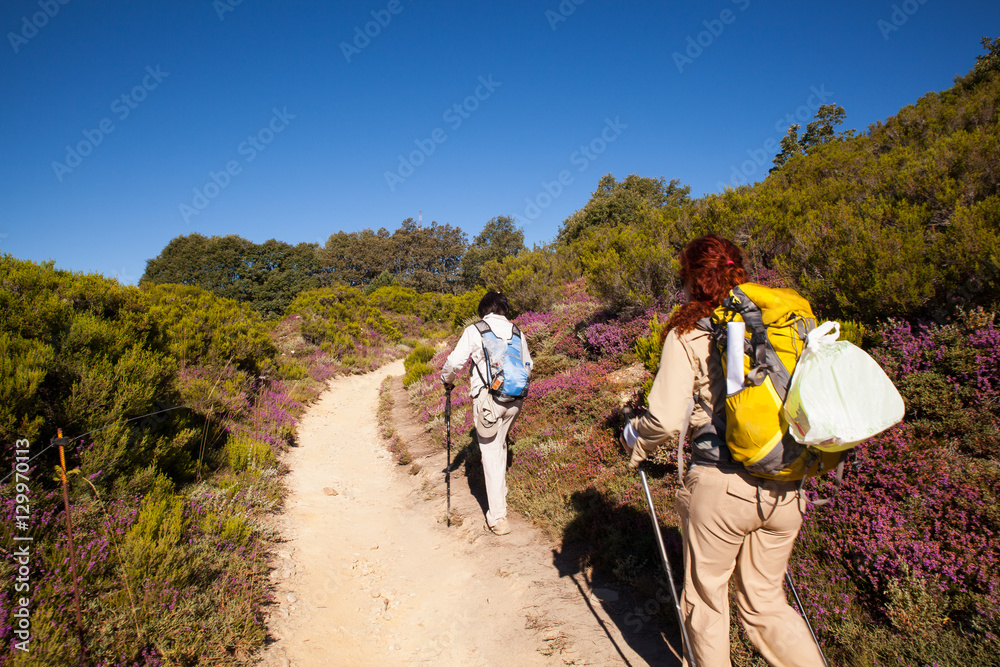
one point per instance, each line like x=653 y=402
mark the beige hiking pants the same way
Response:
x=493 y=422
x=732 y=521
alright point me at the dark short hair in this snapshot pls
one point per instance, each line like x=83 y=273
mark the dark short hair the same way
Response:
x=495 y=303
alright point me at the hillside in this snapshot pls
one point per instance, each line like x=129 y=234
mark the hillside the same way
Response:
x=179 y=397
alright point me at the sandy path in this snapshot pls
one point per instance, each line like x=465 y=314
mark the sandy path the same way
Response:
x=373 y=576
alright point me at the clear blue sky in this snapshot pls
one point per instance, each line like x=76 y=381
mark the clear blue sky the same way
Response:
x=188 y=88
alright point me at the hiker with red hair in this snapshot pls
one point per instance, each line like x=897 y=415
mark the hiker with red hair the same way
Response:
x=731 y=521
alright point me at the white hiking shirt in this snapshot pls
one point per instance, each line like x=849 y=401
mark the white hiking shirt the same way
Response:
x=471 y=345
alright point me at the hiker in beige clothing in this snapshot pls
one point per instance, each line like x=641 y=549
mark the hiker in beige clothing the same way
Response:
x=731 y=521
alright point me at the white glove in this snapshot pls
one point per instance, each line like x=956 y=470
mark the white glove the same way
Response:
x=630 y=437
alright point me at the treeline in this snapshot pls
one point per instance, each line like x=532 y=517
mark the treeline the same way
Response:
x=268 y=276
x=902 y=220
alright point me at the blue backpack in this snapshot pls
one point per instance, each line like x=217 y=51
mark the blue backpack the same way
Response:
x=506 y=375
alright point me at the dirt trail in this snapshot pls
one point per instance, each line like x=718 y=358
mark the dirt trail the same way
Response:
x=370 y=574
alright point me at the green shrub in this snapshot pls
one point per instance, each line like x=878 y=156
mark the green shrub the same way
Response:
x=630 y=265
x=853 y=332
x=416 y=364
x=202 y=328
x=421 y=354
x=383 y=279
x=337 y=318
x=418 y=370
x=649 y=348
x=530 y=280
x=244 y=452
x=24 y=364
x=152 y=544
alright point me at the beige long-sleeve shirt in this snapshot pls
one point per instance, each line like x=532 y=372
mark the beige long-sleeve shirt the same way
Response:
x=687 y=368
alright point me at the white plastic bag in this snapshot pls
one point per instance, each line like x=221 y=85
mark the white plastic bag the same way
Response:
x=838 y=395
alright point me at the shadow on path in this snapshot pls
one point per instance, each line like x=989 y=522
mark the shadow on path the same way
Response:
x=608 y=537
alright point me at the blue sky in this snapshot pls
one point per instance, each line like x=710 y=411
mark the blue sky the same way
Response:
x=126 y=124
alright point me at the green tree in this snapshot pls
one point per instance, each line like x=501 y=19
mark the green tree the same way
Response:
x=384 y=279
x=500 y=238
x=426 y=258
x=790 y=147
x=356 y=258
x=985 y=63
x=820 y=131
x=265 y=276
x=623 y=202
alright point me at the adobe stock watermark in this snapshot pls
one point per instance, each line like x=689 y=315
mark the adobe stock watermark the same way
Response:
x=37 y=21
x=581 y=158
x=563 y=11
x=122 y=106
x=223 y=7
x=901 y=13
x=713 y=30
x=454 y=116
x=646 y=612
x=22 y=552
x=249 y=148
x=381 y=18
x=764 y=155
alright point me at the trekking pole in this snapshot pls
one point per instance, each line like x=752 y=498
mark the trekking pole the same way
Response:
x=447 y=430
x=802 y=610
x=686 y=648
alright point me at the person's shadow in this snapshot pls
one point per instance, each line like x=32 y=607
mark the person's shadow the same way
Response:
x=609 y=551
x=471 y=459
x=606 y=543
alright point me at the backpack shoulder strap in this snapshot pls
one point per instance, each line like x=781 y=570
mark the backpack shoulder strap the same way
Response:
x=680 y=442
x=482 y=327
x=765 y=361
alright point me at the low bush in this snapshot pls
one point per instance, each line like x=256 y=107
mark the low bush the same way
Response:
x=421 y=354
x=337 y=318
x=417 y=371
x=949 y=378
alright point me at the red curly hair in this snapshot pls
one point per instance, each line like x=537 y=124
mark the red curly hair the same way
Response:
x=710 y=267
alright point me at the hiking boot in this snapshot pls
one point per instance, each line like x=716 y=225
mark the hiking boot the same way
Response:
x=500 y=528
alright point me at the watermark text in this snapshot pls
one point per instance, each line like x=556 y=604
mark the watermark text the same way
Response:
x=454 y=116
x=249 y=148
x=122 y=106
x=697 y=44
x=22 y=548
x=581 y=158
x=30 y=26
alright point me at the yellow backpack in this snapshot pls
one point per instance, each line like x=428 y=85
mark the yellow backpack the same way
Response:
x=776 y=323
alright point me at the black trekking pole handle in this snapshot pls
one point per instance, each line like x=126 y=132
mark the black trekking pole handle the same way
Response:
x=447 y=428
x=802 y=610
x=686 y=648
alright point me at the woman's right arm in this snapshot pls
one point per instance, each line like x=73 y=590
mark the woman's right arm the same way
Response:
x=669 y=399
x=463 y=350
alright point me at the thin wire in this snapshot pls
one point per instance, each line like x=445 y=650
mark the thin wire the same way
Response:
x=103 y=428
